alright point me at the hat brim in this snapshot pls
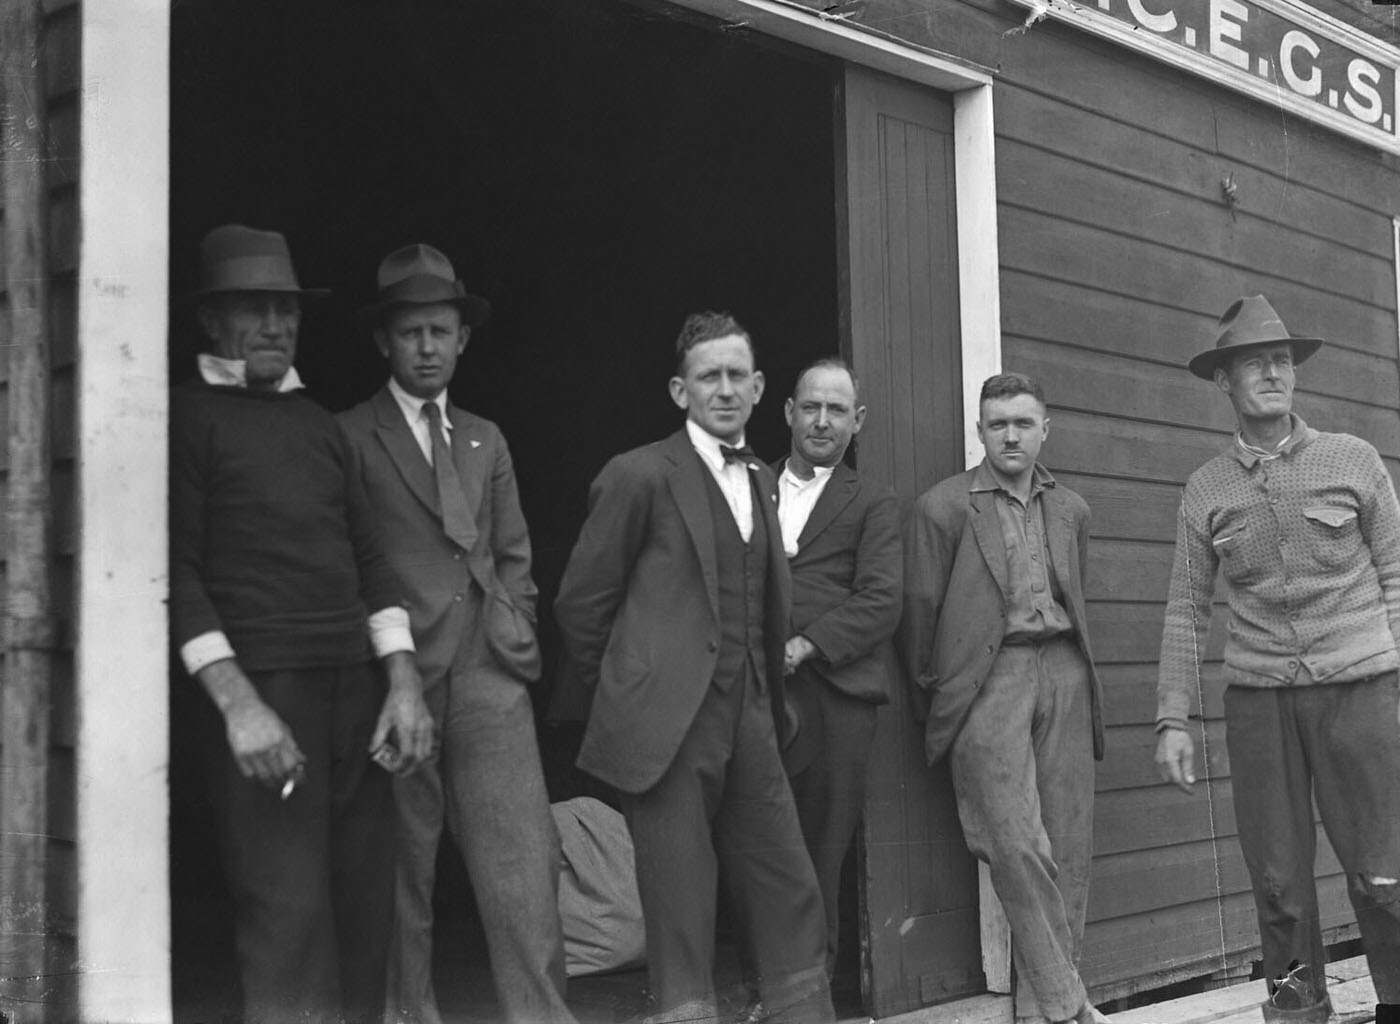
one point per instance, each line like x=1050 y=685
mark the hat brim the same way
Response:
x=1204 y=364
x=475 y=310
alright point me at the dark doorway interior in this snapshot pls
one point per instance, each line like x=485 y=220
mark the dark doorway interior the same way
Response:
x=598 y=169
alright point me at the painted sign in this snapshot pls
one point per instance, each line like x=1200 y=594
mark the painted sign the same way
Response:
x=1279 y=51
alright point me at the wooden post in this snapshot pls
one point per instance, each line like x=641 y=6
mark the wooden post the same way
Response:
x=29 y=625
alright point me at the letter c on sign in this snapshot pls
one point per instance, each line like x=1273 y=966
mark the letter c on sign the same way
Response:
x=1363 y=77
x=1294 y=41
x=1223 y=28
x=1148 y=20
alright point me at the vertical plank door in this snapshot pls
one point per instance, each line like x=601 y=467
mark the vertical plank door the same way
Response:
x=899 y=313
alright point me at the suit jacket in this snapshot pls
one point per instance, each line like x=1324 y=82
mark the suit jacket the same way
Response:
x=638 y=608
x=436 y=573
x=847 y=583
x=956 y=592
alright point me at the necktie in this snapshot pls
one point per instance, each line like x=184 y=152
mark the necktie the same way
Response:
x=457 y=521
x=740 y=455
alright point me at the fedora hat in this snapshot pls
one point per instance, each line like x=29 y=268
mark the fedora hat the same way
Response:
x=234 y=258
x=1249 y=322
x=419 y=275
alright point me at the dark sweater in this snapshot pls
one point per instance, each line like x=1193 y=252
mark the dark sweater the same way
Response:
x=272 y=540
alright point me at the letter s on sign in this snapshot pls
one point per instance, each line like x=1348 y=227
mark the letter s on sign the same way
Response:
x=1294 y=41
x=1153 y=22
x=1223 y=28
x=1363 y=77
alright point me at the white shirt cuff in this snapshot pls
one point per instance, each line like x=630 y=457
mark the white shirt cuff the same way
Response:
x=389 y=632
x=205 y=649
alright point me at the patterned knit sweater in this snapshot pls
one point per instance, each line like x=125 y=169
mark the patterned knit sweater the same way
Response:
x=1310 y=547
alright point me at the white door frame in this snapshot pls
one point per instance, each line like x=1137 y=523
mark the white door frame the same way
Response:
x=122 y=576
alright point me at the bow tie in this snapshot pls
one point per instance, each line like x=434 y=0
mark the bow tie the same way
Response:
x=740 y=455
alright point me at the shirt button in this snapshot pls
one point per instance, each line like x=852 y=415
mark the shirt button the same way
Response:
x=457 y=556
x=990 y=649
x=712 y=646
x=457 y=596
x=1292 y=664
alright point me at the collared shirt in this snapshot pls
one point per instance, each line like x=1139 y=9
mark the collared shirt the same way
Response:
x=1310 y=547
x=412 y=408
x=796 y=499
x=732 y=477
x=389 y=630
x=1034 y=611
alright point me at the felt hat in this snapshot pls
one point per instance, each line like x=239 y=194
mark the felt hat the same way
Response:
x=234 y=258
x=1248 y=323
x=419 y=275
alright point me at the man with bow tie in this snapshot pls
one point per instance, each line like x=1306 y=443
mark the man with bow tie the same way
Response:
x=443 y=489
x=674 y=609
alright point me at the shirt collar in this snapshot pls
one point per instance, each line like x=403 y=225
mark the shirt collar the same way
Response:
x=233 y=373
x=1300 y=436
x=983 y=479
x=707 y=444
x=791 y=479
x=412 y=405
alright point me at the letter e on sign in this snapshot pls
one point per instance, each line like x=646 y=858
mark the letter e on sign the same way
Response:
x=1363 y=77
x=1223 y=28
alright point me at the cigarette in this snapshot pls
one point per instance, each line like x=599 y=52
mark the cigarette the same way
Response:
x=289 y=786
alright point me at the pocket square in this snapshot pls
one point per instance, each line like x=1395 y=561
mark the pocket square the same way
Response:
x=476 y=444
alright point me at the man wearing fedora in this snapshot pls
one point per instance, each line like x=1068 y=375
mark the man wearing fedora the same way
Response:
x=1306 y=529
x=275 y=566
x=443 y=490
x=995 y=639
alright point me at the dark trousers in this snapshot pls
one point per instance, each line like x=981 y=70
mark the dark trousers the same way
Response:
x=725 y=804
x=311 y=876
x=487 y=784
x=830 y=791
x=1338 y=742
x=1023 y=775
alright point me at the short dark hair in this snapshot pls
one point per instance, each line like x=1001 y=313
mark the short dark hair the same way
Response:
x=708 y=326
x=828 y=363
x=1009 y=385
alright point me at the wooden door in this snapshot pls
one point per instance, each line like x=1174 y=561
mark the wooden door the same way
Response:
x=899 y=290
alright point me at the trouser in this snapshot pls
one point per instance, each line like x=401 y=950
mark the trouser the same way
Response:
x=1023 y=775
x=486 y=782
x=725 y=804
x=829 y=793
x=311 y=877
x=1338 y=742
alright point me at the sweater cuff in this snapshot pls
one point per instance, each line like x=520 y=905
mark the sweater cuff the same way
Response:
x=204 y=650
x=389 y=631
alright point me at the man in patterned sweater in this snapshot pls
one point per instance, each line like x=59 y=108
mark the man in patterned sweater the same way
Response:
x=1307 y=530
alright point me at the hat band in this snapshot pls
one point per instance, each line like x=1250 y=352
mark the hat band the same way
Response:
x=251 y=274
x=422 y=289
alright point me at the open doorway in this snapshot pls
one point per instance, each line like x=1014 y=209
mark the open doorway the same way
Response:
x=598 y=169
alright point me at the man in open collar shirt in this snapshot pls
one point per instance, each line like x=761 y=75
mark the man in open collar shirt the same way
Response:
x=1306 y=529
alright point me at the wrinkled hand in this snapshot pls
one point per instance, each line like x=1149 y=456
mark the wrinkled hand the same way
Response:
x=797 y=650
x=405 y=716
x=262 y=744
x=1176 y=758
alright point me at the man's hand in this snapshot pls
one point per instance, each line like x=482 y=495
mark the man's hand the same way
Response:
x=261 y=743
x=798 y=650
x=405 y=715
x=1176 y=758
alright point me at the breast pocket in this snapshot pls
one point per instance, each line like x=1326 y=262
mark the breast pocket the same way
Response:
x=1334 y=535
x=1233 y=551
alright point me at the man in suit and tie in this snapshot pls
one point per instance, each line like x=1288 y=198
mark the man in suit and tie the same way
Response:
x=841 y=537
x=674 y=609
x=995 y=637
x=443 y=489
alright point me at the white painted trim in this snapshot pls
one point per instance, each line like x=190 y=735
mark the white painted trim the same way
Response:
x=1395 y=232
x=1176 y=55
x=847 y=40
x=122 y=748
x=979 y=276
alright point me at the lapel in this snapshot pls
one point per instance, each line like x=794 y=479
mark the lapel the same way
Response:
x=688 y=491
x=397 y=439
x=839 y=492
x=986 y=528
x=1058 y=532
x=468 y=454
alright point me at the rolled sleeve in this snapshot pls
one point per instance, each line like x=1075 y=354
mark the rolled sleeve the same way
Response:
x=389 y=631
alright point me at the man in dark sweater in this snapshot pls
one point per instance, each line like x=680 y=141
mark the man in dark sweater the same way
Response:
x=274 y=566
